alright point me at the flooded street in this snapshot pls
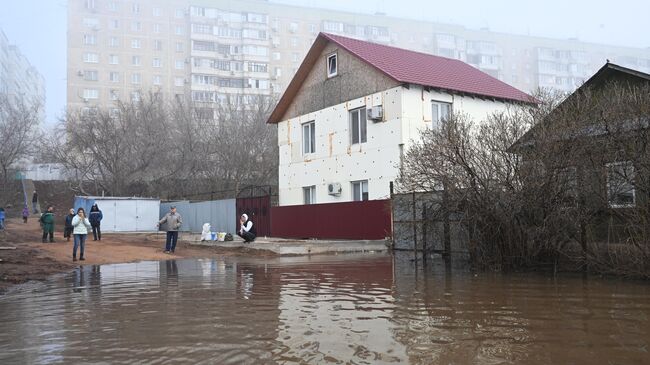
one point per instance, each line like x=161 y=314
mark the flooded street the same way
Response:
x=370 y=309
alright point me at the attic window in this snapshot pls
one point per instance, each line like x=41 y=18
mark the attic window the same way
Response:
x=332 y=65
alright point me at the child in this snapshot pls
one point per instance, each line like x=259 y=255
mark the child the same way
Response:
x=25 y=214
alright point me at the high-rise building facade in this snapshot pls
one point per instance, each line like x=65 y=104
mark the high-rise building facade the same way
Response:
x=217 y=50
x=120 y=50
x=18 y=77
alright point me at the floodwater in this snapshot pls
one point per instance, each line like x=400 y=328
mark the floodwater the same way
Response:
x=345 y=309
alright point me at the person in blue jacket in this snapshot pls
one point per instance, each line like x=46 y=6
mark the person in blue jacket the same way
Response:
x=95 y=217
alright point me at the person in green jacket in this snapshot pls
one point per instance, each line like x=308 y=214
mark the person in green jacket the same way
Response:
x=47 y=223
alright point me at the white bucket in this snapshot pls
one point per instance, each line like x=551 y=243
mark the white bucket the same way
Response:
x=221 y=236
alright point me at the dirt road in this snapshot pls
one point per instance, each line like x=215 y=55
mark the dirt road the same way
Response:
x=33 y=260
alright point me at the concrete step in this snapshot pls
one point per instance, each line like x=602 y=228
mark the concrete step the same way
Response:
x=295 y=247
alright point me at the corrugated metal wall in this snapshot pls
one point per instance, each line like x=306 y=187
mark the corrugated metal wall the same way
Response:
x=366 y=220
x=221 y=214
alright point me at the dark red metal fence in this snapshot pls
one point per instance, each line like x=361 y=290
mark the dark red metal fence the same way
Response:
x=369 y=220
x=255 y=201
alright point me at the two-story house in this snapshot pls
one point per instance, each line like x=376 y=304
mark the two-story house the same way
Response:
x=354 y=107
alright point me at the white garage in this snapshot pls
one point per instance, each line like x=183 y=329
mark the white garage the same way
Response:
x=123 y=214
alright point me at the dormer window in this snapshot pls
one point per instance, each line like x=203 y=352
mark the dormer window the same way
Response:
x=332 y=65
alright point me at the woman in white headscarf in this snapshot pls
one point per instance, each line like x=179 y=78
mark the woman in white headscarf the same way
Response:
x=247 y=230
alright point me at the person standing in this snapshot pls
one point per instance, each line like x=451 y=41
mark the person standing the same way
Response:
x=247 y=230
x=47 y=223
x=95 y=217
x=80 y=225
x=174 y=221
x=25 y=214
x=67 y=230
x=35 y=202
x=2 y=218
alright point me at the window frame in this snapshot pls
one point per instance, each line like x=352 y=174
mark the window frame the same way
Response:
x=362 y=137
x=438 y=104
x=333 y=56
x=311 y=190
x=608 y=176
x=361 y=184
x=308 y=149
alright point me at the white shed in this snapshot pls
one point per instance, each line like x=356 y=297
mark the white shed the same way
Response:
x=123 y=214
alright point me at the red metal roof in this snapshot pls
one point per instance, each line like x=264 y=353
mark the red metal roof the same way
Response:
x=429 y=70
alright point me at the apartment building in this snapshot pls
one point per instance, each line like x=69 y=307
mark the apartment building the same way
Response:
x=17 y=75
x=121 y=50
x=212 y=50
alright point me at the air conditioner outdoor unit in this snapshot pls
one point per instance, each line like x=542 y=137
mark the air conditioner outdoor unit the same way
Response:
x=334 y=189
x=376 y=113
x=80 y=73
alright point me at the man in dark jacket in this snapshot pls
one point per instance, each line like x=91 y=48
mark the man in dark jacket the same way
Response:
x=95 y=217
x=35 y=202
x=47 y=222
x=67 y=230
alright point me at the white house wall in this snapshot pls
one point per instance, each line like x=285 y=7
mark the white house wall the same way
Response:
x=417 y=109
x=335 y=159
x=406 y=112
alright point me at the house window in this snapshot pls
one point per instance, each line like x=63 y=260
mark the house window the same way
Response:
x=135 y=96
x=135 y=60
x=179 y=64
x=309 y=137
x=135 y=43
x=89 y=39
x=156 y=63
x=360 y=190
x=620 y=185
x=157 y=11
x=136 y=26
x=358 y=125
x=156 y=28
x=136 y=78
x=309 y=194
x=114 y=76
x=114 y=42
x=179 y=81
x=157 y=80
x=91 y=57
x=157 y=45
x=332 y=65
x=440 y=111
x=91 y=93
x=90 y=75
x=115 y=95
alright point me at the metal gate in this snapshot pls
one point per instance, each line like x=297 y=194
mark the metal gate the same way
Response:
x=255 y=201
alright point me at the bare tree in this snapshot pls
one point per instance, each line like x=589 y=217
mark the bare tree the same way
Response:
x=169 y=149
x=19 y=131
x=574 y=187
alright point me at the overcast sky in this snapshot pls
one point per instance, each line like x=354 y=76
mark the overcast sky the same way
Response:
x=38 y=27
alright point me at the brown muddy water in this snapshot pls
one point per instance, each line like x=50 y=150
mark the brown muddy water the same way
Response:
x=346 y=309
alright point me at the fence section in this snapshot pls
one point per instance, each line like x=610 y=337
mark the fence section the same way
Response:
x=365 y=220
x=221 y=214
x=420 y=222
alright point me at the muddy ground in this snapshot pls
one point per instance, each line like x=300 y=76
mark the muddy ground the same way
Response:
x=33 y=260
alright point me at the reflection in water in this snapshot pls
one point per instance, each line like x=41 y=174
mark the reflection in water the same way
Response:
x=369 y=309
